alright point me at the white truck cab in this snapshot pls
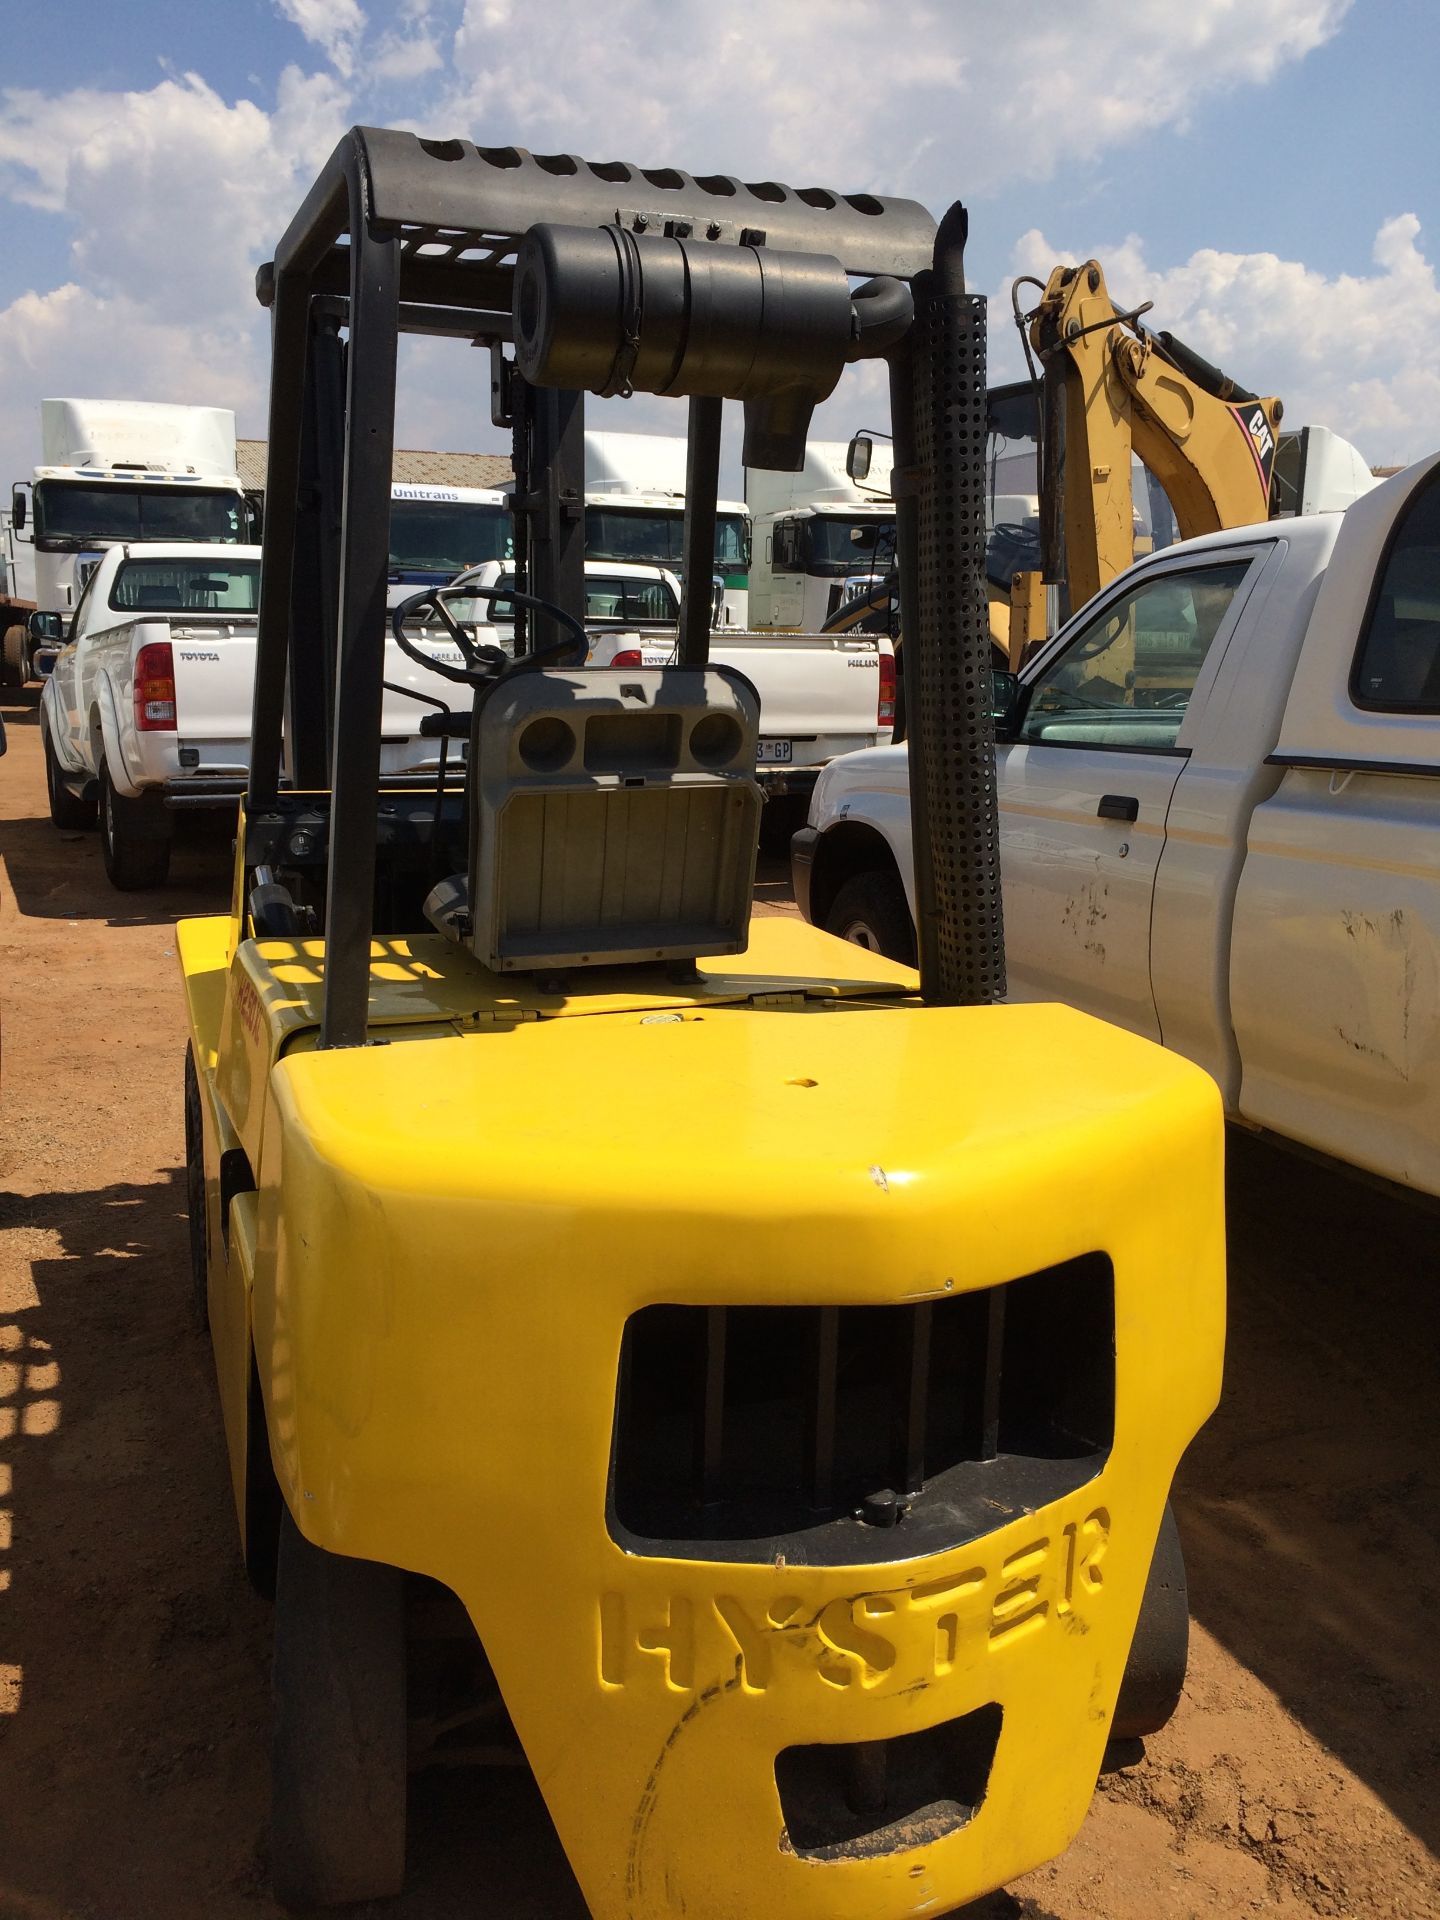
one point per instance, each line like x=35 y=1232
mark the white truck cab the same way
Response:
x=123 y=470
x=439 y=531
x=821 y=539
x=635 y=513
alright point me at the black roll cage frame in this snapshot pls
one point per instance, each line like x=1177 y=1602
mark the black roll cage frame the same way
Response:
x=405 y=234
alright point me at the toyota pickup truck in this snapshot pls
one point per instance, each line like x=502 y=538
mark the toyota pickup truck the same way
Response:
x=146 y=708
x=821 y=694
x=1220 y=807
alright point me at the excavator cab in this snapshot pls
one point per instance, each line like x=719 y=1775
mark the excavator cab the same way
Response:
x=735 y=1374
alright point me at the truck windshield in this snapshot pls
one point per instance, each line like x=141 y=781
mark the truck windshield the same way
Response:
x=607 y=597
x=68 y=514
x=836 y=546
x=446 y=536
x=186 y=586
x=655 y=537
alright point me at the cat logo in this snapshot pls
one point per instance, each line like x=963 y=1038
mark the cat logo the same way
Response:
x=1259 y=430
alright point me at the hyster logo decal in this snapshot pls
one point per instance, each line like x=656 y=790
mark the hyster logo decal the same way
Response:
x=857 y=1640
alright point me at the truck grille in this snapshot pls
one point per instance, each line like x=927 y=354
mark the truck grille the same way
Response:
x=843 y=1435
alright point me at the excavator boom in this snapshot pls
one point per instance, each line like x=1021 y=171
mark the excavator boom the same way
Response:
x=1113 y=390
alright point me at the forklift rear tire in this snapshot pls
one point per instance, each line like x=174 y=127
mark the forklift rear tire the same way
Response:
x=133 y=860
x=1155 y=1671
x=338 y=1733
x=870 y=910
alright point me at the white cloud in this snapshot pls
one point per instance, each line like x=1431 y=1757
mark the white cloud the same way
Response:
x=335 y=26
x=1359 y=353
x=952 y=101
x=72 y=340
x=404 y=56
x=169 y=194
x=172 y=197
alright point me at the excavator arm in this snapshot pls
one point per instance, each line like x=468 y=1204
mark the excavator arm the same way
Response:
x=1112 y=389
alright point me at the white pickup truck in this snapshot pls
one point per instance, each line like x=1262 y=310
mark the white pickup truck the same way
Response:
x=820 y=694
x=146 y=709
x=1220 y=822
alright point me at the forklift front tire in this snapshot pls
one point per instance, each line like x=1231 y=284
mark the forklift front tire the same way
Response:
x=1155 y=1671
x=338 y=1734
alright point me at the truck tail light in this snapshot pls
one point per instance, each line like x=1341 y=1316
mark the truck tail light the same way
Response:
x=155 y=688
x=628 y=657
x=885 y=704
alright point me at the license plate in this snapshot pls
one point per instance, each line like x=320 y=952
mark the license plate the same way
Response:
x=774 y=750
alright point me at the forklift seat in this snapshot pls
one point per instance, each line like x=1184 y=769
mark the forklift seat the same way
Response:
x=614 y=818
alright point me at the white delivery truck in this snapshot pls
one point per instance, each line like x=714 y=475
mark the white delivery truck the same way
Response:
x=820 y=540
x=114 y=470
x=635 y=513
x=1219 y=796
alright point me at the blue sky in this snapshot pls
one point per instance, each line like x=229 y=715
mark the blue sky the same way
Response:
x=1265 y=170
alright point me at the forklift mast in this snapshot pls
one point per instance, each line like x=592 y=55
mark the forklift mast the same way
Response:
x=607 y=278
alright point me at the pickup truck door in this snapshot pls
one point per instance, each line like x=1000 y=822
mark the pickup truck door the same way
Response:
x=1086 y=783
x=1335 y=954
x=66 y=672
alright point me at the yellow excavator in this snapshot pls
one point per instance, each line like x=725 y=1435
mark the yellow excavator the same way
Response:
x=1111 y=391
x=1104 y=390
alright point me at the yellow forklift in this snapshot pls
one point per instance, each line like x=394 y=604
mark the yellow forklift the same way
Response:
x=740 y=1374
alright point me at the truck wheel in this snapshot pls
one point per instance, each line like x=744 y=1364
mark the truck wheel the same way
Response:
x=1155 y=1671
x=133 y=861
x=14 y=658
x=870 y=910
x=195 y=1195
x=781 y=818
x=338 y=1735
x=68 y=810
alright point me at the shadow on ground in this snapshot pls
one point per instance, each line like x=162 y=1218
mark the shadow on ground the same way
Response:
x=1309 y=1504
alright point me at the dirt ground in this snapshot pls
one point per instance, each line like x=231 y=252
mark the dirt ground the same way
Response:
x=1299 y=1777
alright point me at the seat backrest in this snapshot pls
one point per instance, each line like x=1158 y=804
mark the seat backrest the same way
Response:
x=614 y=817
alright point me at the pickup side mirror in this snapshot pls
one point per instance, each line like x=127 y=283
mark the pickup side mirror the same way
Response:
x=1007 y=703
x=48 y=628
x=17 y=508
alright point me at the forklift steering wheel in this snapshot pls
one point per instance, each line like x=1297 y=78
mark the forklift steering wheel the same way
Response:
x=485 y=666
